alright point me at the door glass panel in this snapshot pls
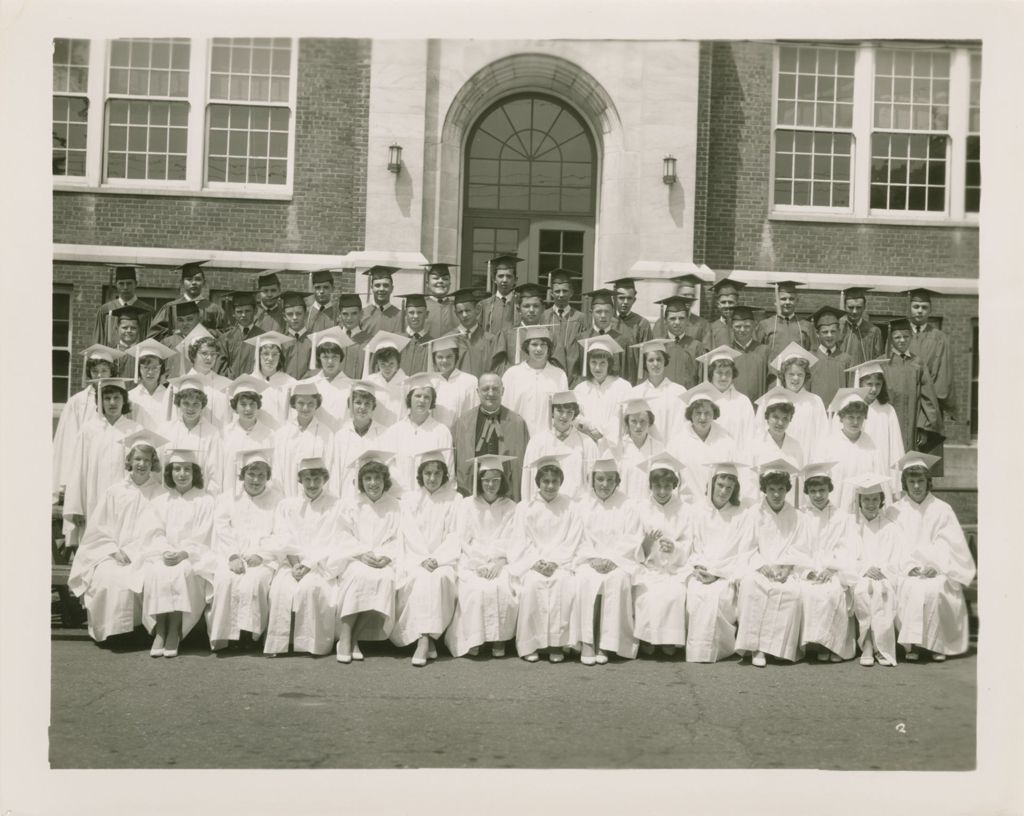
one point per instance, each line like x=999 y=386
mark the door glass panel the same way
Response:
x=561 y=249
x=487 y=243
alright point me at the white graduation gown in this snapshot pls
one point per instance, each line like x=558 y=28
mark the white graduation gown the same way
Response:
x=348 y=447
x=549 y=531
x=883 y=426
x=828 y=606
x=243 y=525
x=737 y=416
x=611 y=530
x=486 y=609
x=275 y=398
x=203 y=437
x=719 y=541
x=575 y=467
x=666 y=401
x=932 y=612
x=875 y=543
x=308 y=530
x=853 y=459
x=406 y=439
x=809 y=425
x=527 y=390
x=635 y=482
x=425 y=600
x=766 y=449
x=599 y=406
x=292 y=444
x=659 y=591
x=111 y=593
x=150 y=410
x=770 y=611
x=390 y=398
x=335 y=395
x=235 y=439
x=696 y=454
x=79 y=409
x=455 y=396
x=371 y=527
x=184 y=522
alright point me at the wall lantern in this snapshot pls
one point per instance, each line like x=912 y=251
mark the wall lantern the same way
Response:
x=395 y=158
x=668 y=170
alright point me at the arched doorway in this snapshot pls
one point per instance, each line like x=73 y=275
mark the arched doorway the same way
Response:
x=530 y=189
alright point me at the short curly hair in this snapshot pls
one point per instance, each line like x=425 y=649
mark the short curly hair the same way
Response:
x=197 y=345
x=786 y=408
x=249 y=395
x=318 y=397
x=197 y=475
x=126 y=406
x=433 y=395
x=661 y=475
x=444 y=471
x=915 y=471
x=374 y=467
x=146 y=448
x=774 y=478
x=814 y=480
x=189 y=392
x=734 y=499
x=716 y=412
x=545 y=470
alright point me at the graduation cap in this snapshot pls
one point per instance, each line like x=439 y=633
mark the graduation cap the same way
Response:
x=349 y=301
x=524 y=334
x=775 y=396
x=191 y=269
x=321 y=276
x=505 y=260
x=726 y=284
x=186 y=308
x=124 y=272
x=846 y=396
x=635 y=405
x=899 y=324
x=549 y=458
x=186 y=382
x=332 y=336
x=663 y=461
x=852 y=292
x=605 y=464
x=689 y=279
x=380 y=271
x=676 y=302
x=601 y=296
x=311 y=463
x=467 y=295
x=305 y=388
x=252 y=456
x=867 y=367
x=438 y=268
x=530 y=289
x=826 y=314
x=415 y=299
x=622 y=283
x=243 y=297
x=420 y=380
x=600 y=342
x=143 y=437
x=245 y=384
x=294 y=298
x=651 y=345
x=867 y=484
x=816 y=470
x=364 y=386
x=793 y=351
x=742 y=313
x=381 y=457
x=450 y=342
x=720 y=353
x=724 y=467
x=98 y=351
x=198 y=332
x=920 y=293
x=488 y=461
x=383 y=340
x=269 y=338
x=780 y=465
x=183 y=455
x=704 y=391
x=150 y=348
x=437 y=455
x=103 y=382
x=268 y=278
x=787 y=285
x=917 y=459
x=562 y=398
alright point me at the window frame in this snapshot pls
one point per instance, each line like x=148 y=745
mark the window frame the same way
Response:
x=199 y=102
x=65 y=291
x=863 y=130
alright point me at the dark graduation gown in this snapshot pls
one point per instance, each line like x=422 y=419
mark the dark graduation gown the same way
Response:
x=352 y=364
x=912 y=395
x=321 y=319
x=389 y=319
x=696 y=327
x=828 y=375
x=296 y=356
x=623 y=365
x=931 y=346
x=273 y=319
x=752 y=370
x=240 y=357
x=776 y=333
x=476 y=351
x=496 y=317
x=105 y=330
x=511 y=442
x=721 y=333
x=441 y=319
x=862 y=342
x=211 y=315
x=683 y=368
x=413 y=358
x=642 y=332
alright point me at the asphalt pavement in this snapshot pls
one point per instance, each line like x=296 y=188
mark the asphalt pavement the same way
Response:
x=114 y=708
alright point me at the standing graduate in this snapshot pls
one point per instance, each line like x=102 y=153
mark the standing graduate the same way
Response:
x=383 y=354
x=529 y=384
x=913 y=395
x=246 y=552
x=126 y=279
x=935 y=565
x=190 y=430
x=773 y=440
x=477 y=347
x=548 y=535
x=252 y=428
x=568 y=324
x=727 y=294
x=830 y=372
x=882 y=423
x=306 y=434
x=737 y=412
x=752 y=363
x=268 y=359
x=270 y=315
x=678 y=319
x=149 y=396
x=328 y=350
x=298 y=355
x=321 y=310
x=499 y=311
x=784 y=328
x=416 y=433
x=413 y=359
x=350 y=313
x=602 y=324
x=562 y=437
x=665 y=397
x=429 y=552
x=509 y=348
x=441 y=319
x=600 y=392
x=456 y=390
x=238 y=354
x=210 y=314
x=486 y=609
x=681 y=348
x=849 y=447
x=380 y=314
x=858 y=336
x=639 y=441
x=358 y=433
x=809 y=424
x=702 y=439
x=931 y=346
x=605 y=565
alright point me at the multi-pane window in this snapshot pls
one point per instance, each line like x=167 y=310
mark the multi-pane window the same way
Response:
x=814 y=140
x=876 y=130
x=70 y=106
x=561 y=249
x=61 y=347
x=249 y=116
x=972 y=196
x=489 y=242
x=179 y=114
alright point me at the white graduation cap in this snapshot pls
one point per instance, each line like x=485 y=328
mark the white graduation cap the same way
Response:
x=793 y=351
x=150 y=348
x=663 y=461
x=542 y=331
x=421 y=380
x=183 y=455
x=245 y=384
x=311 y=463
x=867 y=367
x=917 y=459
x=847 y=396
x=98 y=351
x=600 y=342
x=268 y=338
x=779 y=465
x=704 y=391
x=656 y=344
x=489 y=461
x=604 y=464
x=450 y=342
x=382 y=340
x=250 y=456
x=332 y=335
x=720 y=353
x=815 y=470
x=186 y=382
x=381 y=457
x=775 y=396
x=143 y=437
x=867 y=484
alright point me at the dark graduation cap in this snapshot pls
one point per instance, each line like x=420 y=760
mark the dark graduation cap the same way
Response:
x=467 y=295
x=561 y=276
x=688 y=278
x=440 y=268
x=600 y=296
x=124 y=272
x=191 y=269
x=622 y=283
x=321 y=276
x=530 y=289
x=294 y=298
x=899 y=324
x=742 y=313
x=856 y=292
x=414 y=299
x=920 y=293
x=787 y=285
x=350 y=300
x=243 y=298
x=268 y=278
x=186 y=308
x=133 y=312
x=676 y=302
x=505 y=260
x=726 y=284
x=379 y=271
x=826 y=311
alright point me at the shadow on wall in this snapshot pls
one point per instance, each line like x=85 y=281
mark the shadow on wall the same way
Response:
x=676 y=203
x=724 y=160
x=403 y=191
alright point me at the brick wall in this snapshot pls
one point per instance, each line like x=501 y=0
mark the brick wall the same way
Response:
x=326 y=213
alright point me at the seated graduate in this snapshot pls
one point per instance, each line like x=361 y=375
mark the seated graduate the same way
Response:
x=425 y=567
x=268 y=365
x=251 y=428
x=605 y=565
x=327 y=353
x=769 y=600
x=809 y=425
x=659 y=586
x=366 y=568
x=548 y=534
x=382 y=367
x=935 y=565
x=528 y=384
x=178 y=557
x=245 y=549
x=827 y=604
x=600 y=391
x=189 y=429
x=456 y=390
x=720 y=537
x=416 y=432
x=873 y=539
x=641 y=440
x=305 y=434
x=150 y=396
x=486 y=609
x=562 y=436
x=307 y=529
x=106 y=572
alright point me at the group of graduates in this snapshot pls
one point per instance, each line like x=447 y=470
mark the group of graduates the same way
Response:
x=479 y=468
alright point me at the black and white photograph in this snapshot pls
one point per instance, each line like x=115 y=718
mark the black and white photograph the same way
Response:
x=468 y=402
